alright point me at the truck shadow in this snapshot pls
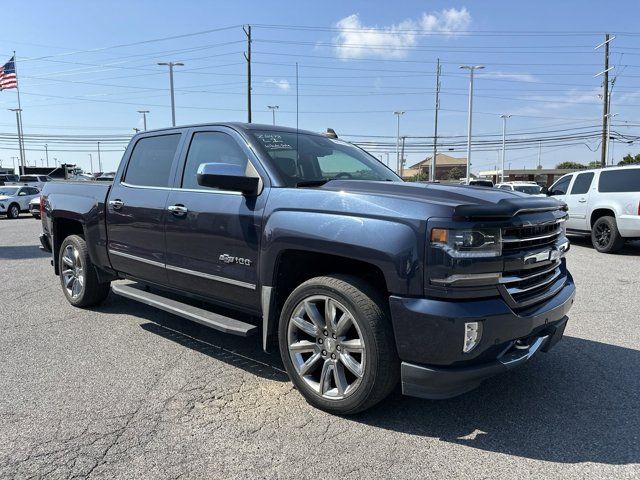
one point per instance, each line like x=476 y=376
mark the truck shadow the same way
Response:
x=245 y=353
x=578 y=403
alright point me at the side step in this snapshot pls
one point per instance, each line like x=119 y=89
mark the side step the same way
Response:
x=204 y=317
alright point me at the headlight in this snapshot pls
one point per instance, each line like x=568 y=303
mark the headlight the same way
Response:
x=481 y=242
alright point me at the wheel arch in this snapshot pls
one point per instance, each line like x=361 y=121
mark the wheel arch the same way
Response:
x=599 y=213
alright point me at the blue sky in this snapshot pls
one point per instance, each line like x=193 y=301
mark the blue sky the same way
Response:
x=358 y=63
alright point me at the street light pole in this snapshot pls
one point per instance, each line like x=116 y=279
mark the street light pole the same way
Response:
x=99 y=159
x=472 y=69
x=91 y=162
x=20 y=139
x=173 y=102
x=46 y=153
x=504 y=117
x=144 y=117
x=398 y=113
x=273 y=109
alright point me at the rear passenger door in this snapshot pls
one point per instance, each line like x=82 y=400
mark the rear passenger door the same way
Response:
x=213 y=238
x=136 y=207
x=578 y=200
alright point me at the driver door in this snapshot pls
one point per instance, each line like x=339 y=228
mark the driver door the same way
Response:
x=212 y=236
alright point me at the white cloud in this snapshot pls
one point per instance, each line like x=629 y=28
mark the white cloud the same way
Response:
x=356 y=40
x=521 y=77
x=282 y=84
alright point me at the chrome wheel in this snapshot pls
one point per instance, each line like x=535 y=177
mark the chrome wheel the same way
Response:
x=326 y=347
x=73 y=272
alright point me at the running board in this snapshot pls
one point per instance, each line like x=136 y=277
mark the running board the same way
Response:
x=204 y=317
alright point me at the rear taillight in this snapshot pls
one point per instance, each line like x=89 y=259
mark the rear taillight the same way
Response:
x=41 y=206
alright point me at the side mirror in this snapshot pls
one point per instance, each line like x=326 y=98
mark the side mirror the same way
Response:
x=227 y=176
x=544 y=190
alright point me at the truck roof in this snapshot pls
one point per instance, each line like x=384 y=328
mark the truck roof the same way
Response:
x=237 y=126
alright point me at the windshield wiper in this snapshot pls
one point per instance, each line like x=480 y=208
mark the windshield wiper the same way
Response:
x=312 y=183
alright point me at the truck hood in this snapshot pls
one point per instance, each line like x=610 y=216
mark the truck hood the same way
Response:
x=467 y=201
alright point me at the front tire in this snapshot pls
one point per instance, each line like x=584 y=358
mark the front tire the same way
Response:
x=337 y=344
x=77 y=274
x=13 y=211
x=605 y=236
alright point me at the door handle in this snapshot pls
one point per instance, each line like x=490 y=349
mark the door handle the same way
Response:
x=116 y=204
x=582 y=200
x=178 y=210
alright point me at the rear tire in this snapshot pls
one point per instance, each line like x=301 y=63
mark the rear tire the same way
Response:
x=605 y=236
x=342 y=356
x=78 y=275
x=13 y=211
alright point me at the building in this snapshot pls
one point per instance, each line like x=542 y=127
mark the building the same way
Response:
x=444 y=165
x=542 y=176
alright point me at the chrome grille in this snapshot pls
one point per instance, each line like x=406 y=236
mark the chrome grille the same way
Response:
x=531 y=236
x=536 y=283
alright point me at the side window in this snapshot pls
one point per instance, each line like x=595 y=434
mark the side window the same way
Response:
x=505 y=187
x=582 y=183
x=210 y=147
x=150 y=163
x=561 y=186
x=623 y=180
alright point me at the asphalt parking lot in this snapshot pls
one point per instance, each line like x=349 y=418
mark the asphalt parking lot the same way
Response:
x=128 y=391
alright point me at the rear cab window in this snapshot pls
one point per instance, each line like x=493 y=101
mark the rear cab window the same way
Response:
x=623 y=180
x=151 y=161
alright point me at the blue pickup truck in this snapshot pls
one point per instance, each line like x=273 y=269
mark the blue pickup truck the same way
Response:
x=359 y=279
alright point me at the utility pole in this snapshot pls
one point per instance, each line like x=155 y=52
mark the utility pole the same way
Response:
x=504 y=136
x=23 y=152
x=173 y=101
x=273 y=109
x=398 y=113
x=605 y=98
x=20 y=144
x=144 y=118
x=99 y=159
x=14 y=163
x=432 y=173
x=46 y=153
x=91 y=162
x=539 y=154
x=247 y=56
x=472 y=69
x=402 y=157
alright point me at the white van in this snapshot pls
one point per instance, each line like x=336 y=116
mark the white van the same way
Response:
x=603 y=203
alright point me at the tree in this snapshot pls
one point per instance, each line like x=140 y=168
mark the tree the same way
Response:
x=420 y=177
x=629 y=159
x=594 y=164
x=571 y=166
x=455 y=174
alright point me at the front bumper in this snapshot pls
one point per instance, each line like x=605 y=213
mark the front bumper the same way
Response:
x=429 y=338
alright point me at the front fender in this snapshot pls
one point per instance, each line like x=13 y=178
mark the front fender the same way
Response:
x=391 y=245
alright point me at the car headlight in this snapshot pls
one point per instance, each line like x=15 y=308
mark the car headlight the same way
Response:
x=474 y=242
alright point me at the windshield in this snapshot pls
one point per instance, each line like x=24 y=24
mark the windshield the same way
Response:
x=302 y=158
x=9 y=192
x=28 y=178
x=530 y=189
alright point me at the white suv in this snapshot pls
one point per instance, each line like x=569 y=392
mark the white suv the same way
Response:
x=603 y=203
x=15 y=199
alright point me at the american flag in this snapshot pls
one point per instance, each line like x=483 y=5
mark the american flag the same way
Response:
x=8 y=77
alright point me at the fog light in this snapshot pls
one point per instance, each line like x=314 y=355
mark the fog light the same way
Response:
x=472 y=335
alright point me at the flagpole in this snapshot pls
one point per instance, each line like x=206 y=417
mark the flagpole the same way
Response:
x=20 y=131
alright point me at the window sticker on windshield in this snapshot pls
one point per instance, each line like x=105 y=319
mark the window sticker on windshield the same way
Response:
x=273 y=141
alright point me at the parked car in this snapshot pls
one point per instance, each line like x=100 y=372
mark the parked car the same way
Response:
x=15 y=199
x=603 y=203
x=530 y=188
x=358 y=278
x=478 y=182
x=8 y=178
x=34 y=207
x=37 y=181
